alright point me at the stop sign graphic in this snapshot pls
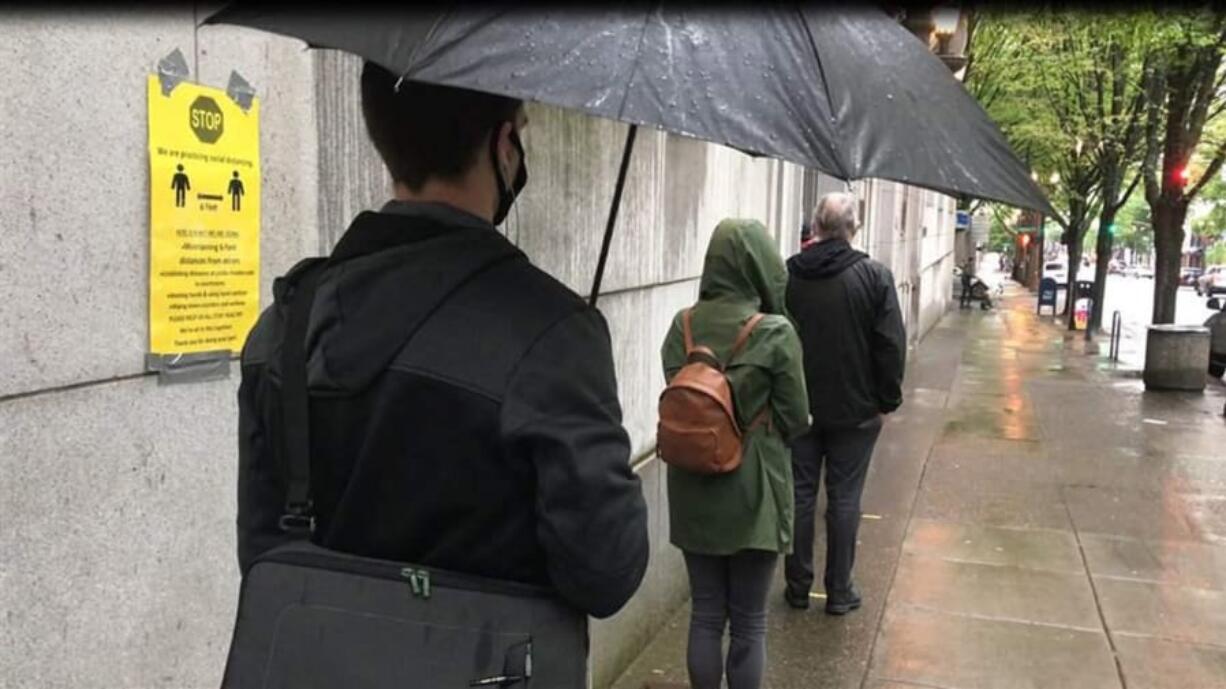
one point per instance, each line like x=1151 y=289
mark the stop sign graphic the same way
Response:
x=206 y=119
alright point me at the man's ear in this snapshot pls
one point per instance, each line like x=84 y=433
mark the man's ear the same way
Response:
x=505 y=149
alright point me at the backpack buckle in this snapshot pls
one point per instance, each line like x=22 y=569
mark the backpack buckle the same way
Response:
x=297 y=519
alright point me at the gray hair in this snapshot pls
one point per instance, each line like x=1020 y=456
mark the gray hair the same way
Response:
x=835 y=216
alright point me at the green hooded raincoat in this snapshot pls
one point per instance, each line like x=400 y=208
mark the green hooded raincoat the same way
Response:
x=751 y=507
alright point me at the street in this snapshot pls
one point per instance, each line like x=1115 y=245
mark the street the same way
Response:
x=1134 y=298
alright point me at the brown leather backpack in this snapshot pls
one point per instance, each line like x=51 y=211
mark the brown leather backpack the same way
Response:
x=698 y=431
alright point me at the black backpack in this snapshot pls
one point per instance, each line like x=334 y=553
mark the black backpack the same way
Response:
x=310 y=617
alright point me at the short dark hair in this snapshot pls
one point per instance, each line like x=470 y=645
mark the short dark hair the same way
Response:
x=426 y=130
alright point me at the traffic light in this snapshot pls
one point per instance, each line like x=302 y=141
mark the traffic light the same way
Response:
x=1182 y=174
x=1110 y=229
x=1025 y=240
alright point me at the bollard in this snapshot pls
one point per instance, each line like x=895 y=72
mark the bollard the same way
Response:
x=1117 y=325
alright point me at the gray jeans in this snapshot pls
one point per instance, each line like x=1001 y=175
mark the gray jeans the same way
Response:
x=845 y=454
x=729 y=588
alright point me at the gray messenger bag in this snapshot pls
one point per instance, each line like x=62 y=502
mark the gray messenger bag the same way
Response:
x=314 y=618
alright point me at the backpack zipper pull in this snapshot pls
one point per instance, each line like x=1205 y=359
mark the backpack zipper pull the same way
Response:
x=414 y=583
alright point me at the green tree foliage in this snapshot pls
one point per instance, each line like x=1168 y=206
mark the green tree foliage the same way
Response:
x=1184 y=151
x=1099 y=103
x=1133 y=229
x=1216 y=254
x=1065 y=89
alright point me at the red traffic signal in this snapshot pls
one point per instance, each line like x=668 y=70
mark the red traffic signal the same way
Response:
x=1025 y=240
x=1182 y=174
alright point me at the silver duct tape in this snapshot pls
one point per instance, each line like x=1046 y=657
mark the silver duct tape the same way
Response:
x=172 y=69
x=196 y=367
x=239 y=91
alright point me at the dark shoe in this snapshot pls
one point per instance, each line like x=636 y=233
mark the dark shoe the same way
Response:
x=842 y=603
x=800 y=602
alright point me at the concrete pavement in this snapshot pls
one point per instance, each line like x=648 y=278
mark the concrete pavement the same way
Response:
x=1032 y=519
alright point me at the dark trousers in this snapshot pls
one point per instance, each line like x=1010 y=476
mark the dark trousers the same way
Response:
x=729 y=588
x=845 y=453
x=964 y=299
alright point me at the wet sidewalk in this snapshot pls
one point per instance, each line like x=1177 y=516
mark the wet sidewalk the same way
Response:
x=1032 y=519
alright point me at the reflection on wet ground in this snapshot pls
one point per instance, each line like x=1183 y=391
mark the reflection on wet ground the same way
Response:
x=1040 y=521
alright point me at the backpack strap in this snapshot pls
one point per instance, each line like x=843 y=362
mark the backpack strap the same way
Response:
x=764 y=417
x=743 y=335
x=691 y=349
x=298 y=518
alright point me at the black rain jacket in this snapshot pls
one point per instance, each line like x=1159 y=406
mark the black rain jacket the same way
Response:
x=469 y=425
x=855 y=347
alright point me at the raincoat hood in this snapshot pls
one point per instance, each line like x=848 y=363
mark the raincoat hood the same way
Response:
x=389 y=273
x=743 y=264
x=824 y=259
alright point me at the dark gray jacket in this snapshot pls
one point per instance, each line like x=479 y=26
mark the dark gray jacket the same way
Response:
x=855 y=346
x=471 y=426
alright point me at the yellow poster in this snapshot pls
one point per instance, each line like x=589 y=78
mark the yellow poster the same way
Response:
x=204 y=219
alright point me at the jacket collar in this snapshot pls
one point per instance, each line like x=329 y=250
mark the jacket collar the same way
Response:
x=399 y=223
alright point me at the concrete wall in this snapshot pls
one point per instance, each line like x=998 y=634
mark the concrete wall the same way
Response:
x=117 y=498
x=117 y=503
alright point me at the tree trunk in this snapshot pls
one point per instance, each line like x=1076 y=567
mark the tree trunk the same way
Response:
x=1168 y=243
x=1103 y=248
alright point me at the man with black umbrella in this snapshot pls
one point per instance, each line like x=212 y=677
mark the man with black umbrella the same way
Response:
x=463 y=405
x=851 y=330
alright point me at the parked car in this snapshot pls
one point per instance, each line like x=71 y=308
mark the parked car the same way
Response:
x=1145 y=272
x=1188 y=275
x=1116 y=268
x=1217 y=342
x=1212 y=281
x=1057 y=271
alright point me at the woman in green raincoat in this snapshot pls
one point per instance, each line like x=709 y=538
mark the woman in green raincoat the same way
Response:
x=733 y=527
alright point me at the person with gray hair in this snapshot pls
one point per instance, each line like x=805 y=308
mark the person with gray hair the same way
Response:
x=835 y=216
x=846 y=311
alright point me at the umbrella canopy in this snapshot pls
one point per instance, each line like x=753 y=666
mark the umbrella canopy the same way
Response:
x=845 y=90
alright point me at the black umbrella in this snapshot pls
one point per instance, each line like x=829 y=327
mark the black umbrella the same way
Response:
x=845 y=90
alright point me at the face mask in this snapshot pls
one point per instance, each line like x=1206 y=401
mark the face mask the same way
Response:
x=508 y=193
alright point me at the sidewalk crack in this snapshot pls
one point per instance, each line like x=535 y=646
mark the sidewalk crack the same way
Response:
x=1085 y=562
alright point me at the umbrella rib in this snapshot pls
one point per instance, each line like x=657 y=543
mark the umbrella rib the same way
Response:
x=834 y=121
x=417 y=48
x=634 y=67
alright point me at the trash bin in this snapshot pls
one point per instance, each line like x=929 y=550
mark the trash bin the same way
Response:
x=1083 y=302
x=1176 y=357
